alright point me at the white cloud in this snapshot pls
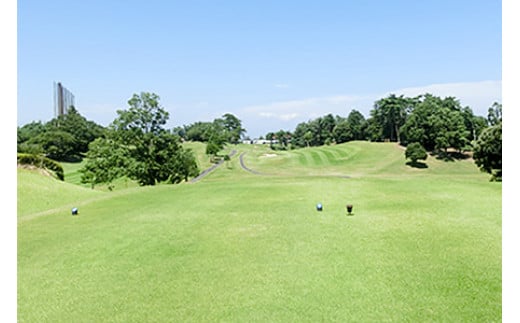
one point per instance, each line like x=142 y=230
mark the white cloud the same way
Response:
x=304 y=108
x=262 y=118
x=289 y=116
x=281 y=86
x=479 y=96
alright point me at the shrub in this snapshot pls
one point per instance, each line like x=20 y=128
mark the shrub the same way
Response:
x=415 y=151
x=42 y=162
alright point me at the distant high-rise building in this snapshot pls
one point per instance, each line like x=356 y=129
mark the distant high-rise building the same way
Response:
x=63 y=99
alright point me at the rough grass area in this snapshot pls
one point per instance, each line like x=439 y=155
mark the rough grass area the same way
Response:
x=421 y=245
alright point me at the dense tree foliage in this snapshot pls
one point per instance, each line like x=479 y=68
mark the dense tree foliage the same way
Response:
x=329 y=129
x=437 y=124
x=25 y=141
x=415 y=152
x=30 y=130
x=106 y=161
x=432 y=123
x=474 y=124
x=198 y=131
x=280 y=140
x=488 y=150
x=494 y=116
x=229 y=128
x=63 y=138
x=138 y=146
x=352 y=128
x=58 y=145
x=83 y=130
x=232 y=126
x=390 y=114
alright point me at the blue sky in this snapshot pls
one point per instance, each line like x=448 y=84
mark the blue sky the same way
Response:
x=271 y=63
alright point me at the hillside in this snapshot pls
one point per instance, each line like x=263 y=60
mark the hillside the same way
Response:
x=421 y=245
x=353 y=159
x=37 y=193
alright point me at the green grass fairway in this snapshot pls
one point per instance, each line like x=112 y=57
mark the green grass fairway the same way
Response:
x=421 y=245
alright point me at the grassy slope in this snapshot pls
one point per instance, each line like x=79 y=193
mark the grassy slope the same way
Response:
x=42 y=194
x=422 y=245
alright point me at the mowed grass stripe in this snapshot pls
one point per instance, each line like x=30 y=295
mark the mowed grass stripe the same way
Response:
x=330 y=156
x=340 y=151
x=317 y=157
x=304 y=158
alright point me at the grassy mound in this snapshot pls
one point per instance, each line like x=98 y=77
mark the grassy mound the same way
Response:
x=421 y=245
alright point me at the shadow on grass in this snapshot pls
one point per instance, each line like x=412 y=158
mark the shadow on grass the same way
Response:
x=451 y=156
x=417 y=164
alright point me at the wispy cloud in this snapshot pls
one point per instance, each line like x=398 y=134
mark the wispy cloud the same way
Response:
x=284 y=117
x=301 y=109
x=281 y=86
x=286 y=114
x=479 y=96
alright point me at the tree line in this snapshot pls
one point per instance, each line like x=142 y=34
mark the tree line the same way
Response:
x=135 y=145
x=216 y=134
x=430 y=122
x=65 y=138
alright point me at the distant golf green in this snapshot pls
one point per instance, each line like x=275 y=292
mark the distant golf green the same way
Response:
x=420 y=245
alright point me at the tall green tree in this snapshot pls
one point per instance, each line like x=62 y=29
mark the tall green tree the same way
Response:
x=233 y=128
x=488 y=151
x=357 y=123
x=449 y=130
x=373 y=129
x=186 y=166
x=326 y=124
x=308 y=137
x=474 y=124
x=343 y=132
x=152 y=152
x=299 y=135
x=218 y=137
x=283 y=137
x=199 y=131
x=213 y=147
x=435 y=123
x=495 y=114
x=106 y=161
x=390 y=113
